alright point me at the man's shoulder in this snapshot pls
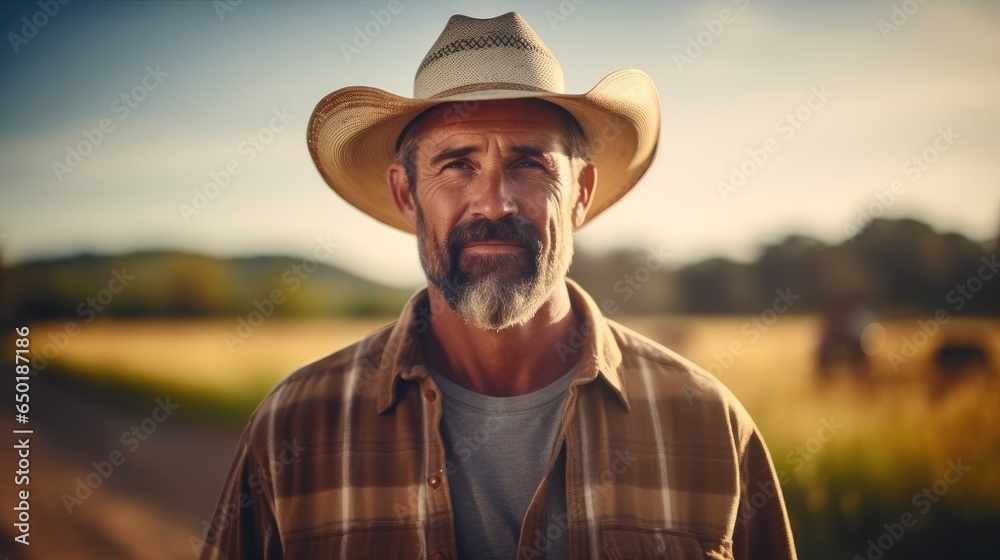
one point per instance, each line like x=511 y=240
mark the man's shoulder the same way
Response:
x=660 y=373
x=639 y=350
x=320 y=387
x=361 y=358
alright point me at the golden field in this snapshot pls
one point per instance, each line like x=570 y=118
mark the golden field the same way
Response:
x=852 y=455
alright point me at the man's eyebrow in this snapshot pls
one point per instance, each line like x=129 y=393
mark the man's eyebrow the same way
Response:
x=530 y=150
x=452 y=153
x=537 y=152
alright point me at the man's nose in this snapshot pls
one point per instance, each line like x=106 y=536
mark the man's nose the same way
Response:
x=491 y=194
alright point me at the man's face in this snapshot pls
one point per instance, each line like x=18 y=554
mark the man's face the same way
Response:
x=495 y=199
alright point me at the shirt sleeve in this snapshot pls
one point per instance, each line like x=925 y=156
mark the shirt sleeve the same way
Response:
x=243 y=526
x=762 y=529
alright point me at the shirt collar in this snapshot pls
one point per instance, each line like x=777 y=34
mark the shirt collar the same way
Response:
x=595 y=346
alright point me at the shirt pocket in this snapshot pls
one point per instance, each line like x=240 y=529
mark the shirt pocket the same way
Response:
x=622 y=541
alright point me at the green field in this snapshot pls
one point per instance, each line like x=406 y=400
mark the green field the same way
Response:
x=857 y=459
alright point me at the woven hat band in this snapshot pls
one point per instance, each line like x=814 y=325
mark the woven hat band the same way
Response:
x=503 y=51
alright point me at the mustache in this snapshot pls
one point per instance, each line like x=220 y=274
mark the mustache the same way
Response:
x=509 y=229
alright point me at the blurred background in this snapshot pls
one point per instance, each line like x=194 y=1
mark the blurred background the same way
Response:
x=819 y=231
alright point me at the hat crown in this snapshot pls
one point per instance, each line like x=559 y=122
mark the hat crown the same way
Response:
x=501 y=53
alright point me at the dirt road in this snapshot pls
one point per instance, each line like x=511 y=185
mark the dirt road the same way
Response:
x=113 y=476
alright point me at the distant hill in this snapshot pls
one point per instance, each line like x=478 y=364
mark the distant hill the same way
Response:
x=177 y=284
x=893 y=266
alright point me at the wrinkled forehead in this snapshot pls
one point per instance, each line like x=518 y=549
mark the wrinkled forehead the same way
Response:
x=494 y=113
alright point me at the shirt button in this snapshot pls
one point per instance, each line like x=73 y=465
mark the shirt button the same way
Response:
x=434 y=482
x=438 y=556
x=430 y=394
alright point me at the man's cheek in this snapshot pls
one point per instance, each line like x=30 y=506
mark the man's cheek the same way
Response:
x=534 y=207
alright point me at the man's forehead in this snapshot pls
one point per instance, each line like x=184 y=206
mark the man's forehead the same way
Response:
x=499 y=114
x=493 y=110
x=517 y=117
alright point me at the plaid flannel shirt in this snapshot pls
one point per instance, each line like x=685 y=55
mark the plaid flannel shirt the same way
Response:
x=344 y=459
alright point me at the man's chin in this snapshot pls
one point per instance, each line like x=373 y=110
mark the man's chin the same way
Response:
x=493 y=301
x=497 y=302
x=512 y=265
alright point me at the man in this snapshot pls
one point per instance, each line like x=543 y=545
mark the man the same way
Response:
x=502 y=416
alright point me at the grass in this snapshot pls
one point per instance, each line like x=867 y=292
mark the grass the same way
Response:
x=882 y=444
x=194 y=356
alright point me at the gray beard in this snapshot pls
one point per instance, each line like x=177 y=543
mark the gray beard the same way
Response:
x=493 y=292
x=495 y=300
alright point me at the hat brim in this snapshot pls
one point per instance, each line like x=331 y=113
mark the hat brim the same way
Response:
x=353 y=131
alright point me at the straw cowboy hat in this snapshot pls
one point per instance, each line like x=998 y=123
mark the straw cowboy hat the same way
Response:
x=353 y=131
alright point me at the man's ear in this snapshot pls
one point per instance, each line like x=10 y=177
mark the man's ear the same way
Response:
x=402 y=194
x=586 y=182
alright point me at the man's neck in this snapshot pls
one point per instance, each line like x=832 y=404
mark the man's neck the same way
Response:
x=514 y=361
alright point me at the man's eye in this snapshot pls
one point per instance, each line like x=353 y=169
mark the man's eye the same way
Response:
x=456 y=165
x=528 y=163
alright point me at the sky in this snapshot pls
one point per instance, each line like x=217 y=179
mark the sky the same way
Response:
x=783 y=117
